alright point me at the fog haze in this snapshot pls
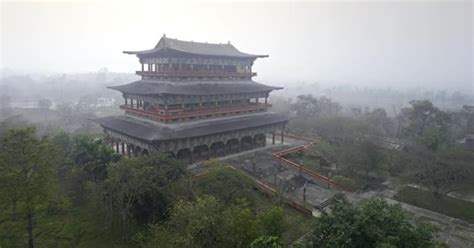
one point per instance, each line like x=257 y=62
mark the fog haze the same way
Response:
x=383 y=44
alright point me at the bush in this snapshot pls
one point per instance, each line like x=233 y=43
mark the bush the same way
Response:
x=345 y=181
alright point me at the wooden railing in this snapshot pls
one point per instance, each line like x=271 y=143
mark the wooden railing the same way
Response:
x=280 y=156
x=195 y=74
x=167 y=115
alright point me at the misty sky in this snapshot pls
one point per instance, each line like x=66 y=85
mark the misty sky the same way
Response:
x=406 y=44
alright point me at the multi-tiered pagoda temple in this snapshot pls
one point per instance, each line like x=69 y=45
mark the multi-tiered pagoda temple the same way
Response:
x=195 y=100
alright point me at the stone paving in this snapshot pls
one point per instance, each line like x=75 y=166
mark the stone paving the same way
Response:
x=259 y=164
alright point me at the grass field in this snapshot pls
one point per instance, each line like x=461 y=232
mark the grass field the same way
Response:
x=447 y=205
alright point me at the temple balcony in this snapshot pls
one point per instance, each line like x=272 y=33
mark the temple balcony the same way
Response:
x=169 y=115
x=196 y=74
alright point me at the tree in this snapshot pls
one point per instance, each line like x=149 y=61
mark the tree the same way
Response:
x=468 y=113
x=273 y=222
x=136 y=189
x=373 y=223
x=28 y=174
x=379 y=122
x=191 y=224
x=431 y=138
x=307 y=106
x=444 y=171
x=362 y=159
x=206 y=222
x=423 y=115
x=228 y=186
x=92 y=157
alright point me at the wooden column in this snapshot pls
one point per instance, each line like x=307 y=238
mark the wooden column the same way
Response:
x=126 y=101
x=282 y=134
x=117 y=148
x=266 y=100
x=123 y=148
x=128 y=150
x=273 y=137
x=131 y=103
x=143 y=67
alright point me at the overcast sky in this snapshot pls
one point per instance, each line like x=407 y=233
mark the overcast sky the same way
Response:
x=404 y=43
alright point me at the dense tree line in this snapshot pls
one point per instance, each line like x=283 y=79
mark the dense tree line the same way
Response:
x=140 y=201
x=418 y=143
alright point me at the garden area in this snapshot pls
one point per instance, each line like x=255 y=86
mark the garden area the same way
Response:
x=450 y=206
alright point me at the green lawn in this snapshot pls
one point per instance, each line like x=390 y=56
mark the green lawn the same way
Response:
x=447 y=205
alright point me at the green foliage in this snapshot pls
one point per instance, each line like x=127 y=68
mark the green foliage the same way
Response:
x=308 y=106
x=373 y=223
x=431 y=138
x=322 y=153
x=92 y=157
x=266 y=242
x=371 y=158
x=226 y=184
x=364 y=162
x=206 y=222
x=67 y=184
x=442 y=171
x=379 y=122
x=345 y=181
x=273 y=222
x=27 y=181
x=137 y=189
x=83 y=159
x=424 y=119
x=334 y=129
